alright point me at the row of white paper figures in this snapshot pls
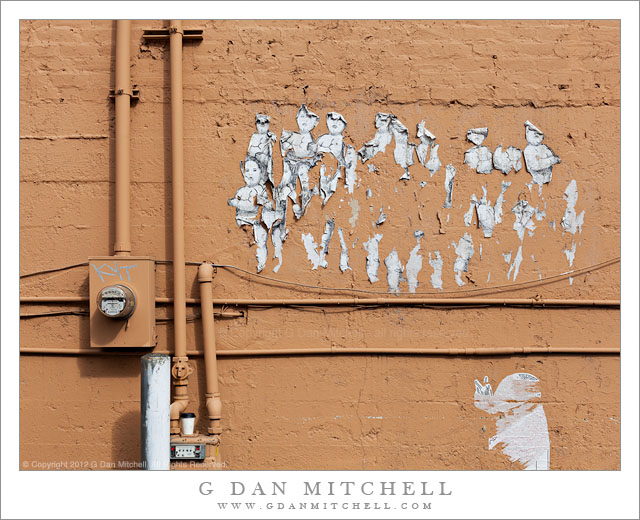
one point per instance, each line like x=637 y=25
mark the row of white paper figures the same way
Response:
x=301 y=146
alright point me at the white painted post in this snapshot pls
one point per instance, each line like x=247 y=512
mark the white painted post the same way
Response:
x=155 y=400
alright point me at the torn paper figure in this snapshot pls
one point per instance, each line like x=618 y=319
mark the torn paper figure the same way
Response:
x=274 y=215
x=436 y=265
x=312 y=250
x=373 y=260
x=328 y=183
x=478 y=157
x=403 y=152
x=414 y=265
x=380 y=141
x=333 y=142
x=300 y=154
x=278 y=236
x=515 y=266
x=344 y=252
x=394 y=272
x=324 y=243
x=247 y=202
x=464 y=250
x=538 y=157
x=381 y=218
x=507 y=160
x=488 y=216
x=522 y=432
x=571 y=221
x=261 y=146
x=448 y=184
x=570 y=254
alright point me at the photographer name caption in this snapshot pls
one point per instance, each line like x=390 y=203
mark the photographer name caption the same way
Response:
x=327 y=495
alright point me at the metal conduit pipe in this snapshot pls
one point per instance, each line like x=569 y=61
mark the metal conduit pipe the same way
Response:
x=212 y=392
x=123 y=93
x=181 y=368
x=359 y=301
x=489 y=351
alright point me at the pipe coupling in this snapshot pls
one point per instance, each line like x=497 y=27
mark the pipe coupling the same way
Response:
x=181 y=369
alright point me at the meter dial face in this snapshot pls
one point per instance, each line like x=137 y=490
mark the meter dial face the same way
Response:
x=116 y=301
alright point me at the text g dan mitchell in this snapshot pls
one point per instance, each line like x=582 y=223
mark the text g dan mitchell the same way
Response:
x=333 y=489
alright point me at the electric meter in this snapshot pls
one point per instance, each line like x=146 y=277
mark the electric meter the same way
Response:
x=116 y=301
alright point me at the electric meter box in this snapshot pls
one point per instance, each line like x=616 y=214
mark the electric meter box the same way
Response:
x=122 y=302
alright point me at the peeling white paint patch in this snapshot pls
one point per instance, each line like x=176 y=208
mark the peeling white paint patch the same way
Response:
x=523 y=221
x=481 y=251
x=373 y=259
x=261 y=145
x=515 y=266
x=552 y=225
x=394 y=272
x=414 y=265
x=355 y=211
x=324 y=243
x=344 y=252
x=381 y=218
x=312 y=250
x=333 y=142
x=479 y=157
x=464 y=250
x=426 y=140
x=436 y=265
x=433 y=164
x=489 y=277
x=468 y=216
x=571 y=280
x=570 y=254
x=353 y=246
x=328 y=183
x=260 y=235
x=351 y=160
x=278 y=236
x=448 y=184
x=404 y=150
x=571 y=222
x=506 y=160
x=521 y=428
x=372 y=168
x=381 y=139
x=507 y=257
x=538 y=157
x=500 y=201
x=486 y=217
x=369 y=193
x=423 y=184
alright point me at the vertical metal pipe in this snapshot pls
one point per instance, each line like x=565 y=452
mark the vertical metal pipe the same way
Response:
x=213 y=401
x=177 y=164
x=181 y=368
x=123 y=93
x=155 y=396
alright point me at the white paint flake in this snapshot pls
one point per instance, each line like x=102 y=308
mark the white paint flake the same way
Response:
x=570 y=254
x=448 y=184
x=394 y=272
x=381 y=139
x=414 y=265
x=521 y=428
x=464 y=250
x=515 y=266
x=355 y=211
x=312 y=250
x=344 y=252
x=571 y=221
x=436 y=265
x=324 y=242
x=373 y=259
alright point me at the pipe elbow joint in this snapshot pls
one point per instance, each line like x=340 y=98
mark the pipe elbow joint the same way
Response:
x=205 y=272
x=177 y=407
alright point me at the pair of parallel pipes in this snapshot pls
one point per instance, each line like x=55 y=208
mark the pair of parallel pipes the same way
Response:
x=122 y=247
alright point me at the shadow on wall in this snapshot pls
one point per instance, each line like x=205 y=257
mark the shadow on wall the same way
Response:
x=117 y=366
x=125 y=441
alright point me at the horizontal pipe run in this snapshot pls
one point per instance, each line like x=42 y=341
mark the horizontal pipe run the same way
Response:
x=328 y=302
x=489 y=351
